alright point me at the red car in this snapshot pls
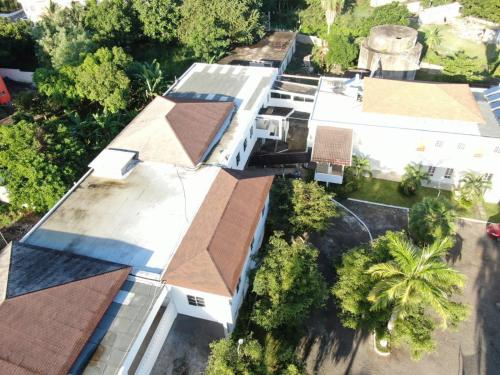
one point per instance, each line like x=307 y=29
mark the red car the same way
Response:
x=493 y=230
x=4 y=93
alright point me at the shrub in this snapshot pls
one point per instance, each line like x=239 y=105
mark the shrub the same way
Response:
x=412 y=179
x=431 y=219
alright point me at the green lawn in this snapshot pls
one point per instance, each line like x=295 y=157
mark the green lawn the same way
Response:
x=387 y=192
x=451 y=43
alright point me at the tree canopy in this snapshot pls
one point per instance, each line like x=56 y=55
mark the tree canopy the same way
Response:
x=211 y=28
x=288 y=284
x=432 y=219
x=101 y=78
x=17 y=47
x=487 y=9
x=159 y=18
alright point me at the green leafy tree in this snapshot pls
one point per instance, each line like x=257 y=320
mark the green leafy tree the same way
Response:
x=433 y=38
x=112 y=22
x=358 y=172
x=58 y=85
x=227 y=357
x=487 y=9
x=463 y=68
x=159 y=18
x=416 y=332
x=71 y=47
x=288 y=284
x=312 y=19
x=331 y=9
x=342 y=51
x=280 y=205
x=413 y=178
x=472 y=188
x=212 y=28
x=101 y=78
x=390 y=14
x=432 y=219
x=312 y=206
x=417 y=278
x=17 y=47
x=38 y=163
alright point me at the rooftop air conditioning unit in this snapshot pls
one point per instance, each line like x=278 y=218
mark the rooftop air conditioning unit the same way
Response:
x=113 y=163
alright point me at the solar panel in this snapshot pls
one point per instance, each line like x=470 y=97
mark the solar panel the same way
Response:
x=492 y=90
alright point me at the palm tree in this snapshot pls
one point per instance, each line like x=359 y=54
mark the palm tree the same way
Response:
x=331 y=8
x=413 y=177
x=359 y=170
x=434 y=38
x=415 y=278
x=472 y=187
x=152 y=79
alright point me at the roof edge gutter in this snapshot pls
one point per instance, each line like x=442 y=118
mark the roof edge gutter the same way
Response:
x=56 y=206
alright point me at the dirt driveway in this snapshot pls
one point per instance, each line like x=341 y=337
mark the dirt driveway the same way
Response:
x=328 y=348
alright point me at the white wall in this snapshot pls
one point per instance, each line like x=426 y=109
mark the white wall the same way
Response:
x=17 y=75
x=219 y=308
x=391 y=149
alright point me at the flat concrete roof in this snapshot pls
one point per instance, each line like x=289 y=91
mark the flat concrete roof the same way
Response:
x=137 y=221
x=340 y=106
x=246 y=86
x=273 y=48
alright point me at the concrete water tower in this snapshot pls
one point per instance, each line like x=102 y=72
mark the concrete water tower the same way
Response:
x=391 y=51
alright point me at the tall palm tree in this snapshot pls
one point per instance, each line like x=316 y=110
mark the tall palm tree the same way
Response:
x=413 y=177
x=331 y=8
x=415 y=278
x=472 y=187
x=434 y=38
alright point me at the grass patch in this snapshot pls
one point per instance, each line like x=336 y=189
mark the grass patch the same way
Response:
x=387 y=192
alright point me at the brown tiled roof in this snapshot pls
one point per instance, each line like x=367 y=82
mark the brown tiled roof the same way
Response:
x=447 y=101
x=332 y=145
x=211 y=255
x=174 y=132
x=44 y=332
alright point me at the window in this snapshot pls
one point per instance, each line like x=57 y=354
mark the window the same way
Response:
x=448 y=173
x=309 y=100
x=421 y=147
x=298 y=98
x=196 y=301
x=277 y=95
x=488 y=176
x=245 y=145
x=238 y=159
x=439 y=144
x=431 y=170
x=497 y=150
x=461 y=146
x=251 y=132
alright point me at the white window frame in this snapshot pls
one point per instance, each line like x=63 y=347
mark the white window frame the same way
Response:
x=431 y=170
x=195 y=301
x=448 y=173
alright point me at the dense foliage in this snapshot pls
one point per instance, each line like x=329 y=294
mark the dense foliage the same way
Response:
x=413 y=178
x=431 y=219
x=211 y=28
x=227 y=357
x=288 y=284
x=487 y=9
x=403 y=286
x=159 y=18
x=472 y=188
x=342 y=51
x=16 y=44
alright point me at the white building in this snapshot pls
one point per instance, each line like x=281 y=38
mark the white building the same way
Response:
x=449 y=128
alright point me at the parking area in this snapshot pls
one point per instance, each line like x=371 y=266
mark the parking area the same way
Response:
x=186 y=349
x=328 y=348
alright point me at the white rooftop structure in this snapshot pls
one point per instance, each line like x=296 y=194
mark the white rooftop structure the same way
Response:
x=138 y=221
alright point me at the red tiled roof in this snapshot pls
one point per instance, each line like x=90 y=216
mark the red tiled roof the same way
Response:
x=174 y=131
x=196 y=123
x=211 y=255
x=44 y=332
x=332 y=145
